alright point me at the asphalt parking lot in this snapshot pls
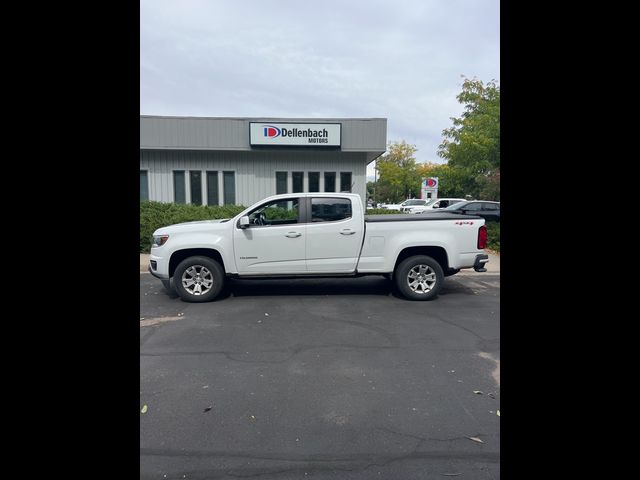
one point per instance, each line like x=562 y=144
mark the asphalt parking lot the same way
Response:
x=326 y=379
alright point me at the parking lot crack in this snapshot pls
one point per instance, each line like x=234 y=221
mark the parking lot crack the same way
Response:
x=419 y=438
x=302 y=464
x=438 y=317
x=290 y=353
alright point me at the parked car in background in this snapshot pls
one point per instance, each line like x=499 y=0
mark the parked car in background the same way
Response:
x=488 y=210
x=396 y=206
x=409 y=205
x=432 y=204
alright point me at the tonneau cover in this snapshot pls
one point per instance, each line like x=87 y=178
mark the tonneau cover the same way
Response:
x=419 y=217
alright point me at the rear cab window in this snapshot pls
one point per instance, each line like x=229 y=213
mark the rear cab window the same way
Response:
x=328 y=209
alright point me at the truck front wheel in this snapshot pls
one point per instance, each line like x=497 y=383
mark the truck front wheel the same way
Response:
x=198 y=279
x=419 y=278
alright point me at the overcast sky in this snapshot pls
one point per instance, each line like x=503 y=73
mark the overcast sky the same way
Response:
x=401 y=60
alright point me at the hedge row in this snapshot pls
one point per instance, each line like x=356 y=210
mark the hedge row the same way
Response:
x=493 y=234
x=154 y=215
x=381 y=211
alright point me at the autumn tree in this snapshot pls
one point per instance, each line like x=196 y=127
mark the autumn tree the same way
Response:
x=472 y=145
x=398 y=178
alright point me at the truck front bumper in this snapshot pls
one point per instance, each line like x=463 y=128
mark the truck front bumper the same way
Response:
x=158 y=275
x=481 y=259
x=158 y=266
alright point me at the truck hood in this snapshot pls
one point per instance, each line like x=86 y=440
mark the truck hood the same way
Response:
x=197 y=226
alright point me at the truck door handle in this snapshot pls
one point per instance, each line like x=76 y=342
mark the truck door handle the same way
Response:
x=347 y=231
x=293 y=234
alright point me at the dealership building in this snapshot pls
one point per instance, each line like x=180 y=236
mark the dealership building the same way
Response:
x=239 y=161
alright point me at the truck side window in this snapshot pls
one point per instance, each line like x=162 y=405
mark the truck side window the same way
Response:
x=330 y=209
x=278 y=212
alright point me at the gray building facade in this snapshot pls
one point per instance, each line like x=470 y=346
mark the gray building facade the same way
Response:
x=239 y=161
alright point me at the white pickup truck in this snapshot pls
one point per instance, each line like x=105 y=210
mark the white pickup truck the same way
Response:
x=317 y=235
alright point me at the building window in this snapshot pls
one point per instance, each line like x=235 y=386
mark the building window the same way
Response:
x=229 y=187
x=329 y=181
x=330 y=209
x=345 y=182
x=178 y=187
x=212 y=188
x=314 y=181
x=297 y=178
x=281 y=182
x=144 y=185
x=195 y=179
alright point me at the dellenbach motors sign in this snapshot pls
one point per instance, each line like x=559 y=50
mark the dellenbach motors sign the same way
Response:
x=295 y=134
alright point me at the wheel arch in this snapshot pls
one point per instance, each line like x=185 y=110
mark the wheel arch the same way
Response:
x=439 y=254
x=179 y=255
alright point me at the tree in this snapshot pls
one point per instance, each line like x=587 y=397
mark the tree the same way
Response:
x=472 y=144
x=398 y=177
x=371 y=190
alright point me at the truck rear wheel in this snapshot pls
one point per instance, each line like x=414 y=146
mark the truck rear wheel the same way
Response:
x=198 y=279
x=419 y=278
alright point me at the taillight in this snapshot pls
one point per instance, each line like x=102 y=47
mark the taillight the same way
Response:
x=482 y=237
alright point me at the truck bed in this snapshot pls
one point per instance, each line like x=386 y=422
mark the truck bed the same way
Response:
x=419 y=217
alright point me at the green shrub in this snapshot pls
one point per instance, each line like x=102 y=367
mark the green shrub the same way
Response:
x=493 y=234
x=154 y=215
x=279 y=213
x=381 y=211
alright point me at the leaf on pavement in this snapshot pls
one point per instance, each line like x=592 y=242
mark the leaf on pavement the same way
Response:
x=206 y=409
x=144 y=409
x=498 y=413
x=475 y=439
x=478 y=392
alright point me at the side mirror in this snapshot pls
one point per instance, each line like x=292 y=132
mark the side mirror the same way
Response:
x=436 y=206
x=244 y=222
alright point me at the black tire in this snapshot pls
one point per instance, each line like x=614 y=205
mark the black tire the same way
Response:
x=170 y=289
x=433 y=280
x=167 y=286
x=213 y=274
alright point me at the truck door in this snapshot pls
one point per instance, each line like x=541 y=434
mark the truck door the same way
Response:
x=274 y=242
x=334 y=235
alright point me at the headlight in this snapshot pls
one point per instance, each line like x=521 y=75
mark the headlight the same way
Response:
x=159 y=240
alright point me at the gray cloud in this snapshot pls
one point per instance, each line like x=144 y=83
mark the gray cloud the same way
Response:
x=401 y=60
